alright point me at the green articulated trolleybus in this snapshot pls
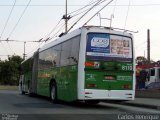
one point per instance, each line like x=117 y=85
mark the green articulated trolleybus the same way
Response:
x=89 y=64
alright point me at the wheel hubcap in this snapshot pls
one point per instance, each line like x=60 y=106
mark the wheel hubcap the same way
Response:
x=53 y=93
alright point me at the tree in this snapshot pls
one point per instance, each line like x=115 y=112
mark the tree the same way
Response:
x=140 y=60
x=9 y=70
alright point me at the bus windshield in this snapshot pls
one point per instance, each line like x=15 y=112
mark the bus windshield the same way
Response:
x=108 y=47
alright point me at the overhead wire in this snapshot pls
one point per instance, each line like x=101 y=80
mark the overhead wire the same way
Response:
x=135 y=5
x=79 y=10
x=8 y=19
x=17 y=41
x=57 y=32
x=46 y=38
x=90 y=3
x=52 y=29
x=34 y=49
x=127 y=14
x=97 y=3
x=77 y=14
x=7 y=23
x=98 y=11
x=19 y=19
x=113 y=12
x=76 y=11
x=74 y=15
x=114 y=8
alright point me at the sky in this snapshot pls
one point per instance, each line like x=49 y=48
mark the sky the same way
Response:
x=31 y=20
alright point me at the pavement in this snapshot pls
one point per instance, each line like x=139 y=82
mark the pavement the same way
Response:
x=145 y=98
x=150 y=100
x=153 y=103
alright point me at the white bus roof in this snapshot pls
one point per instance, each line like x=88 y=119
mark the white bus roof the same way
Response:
x=61 y=39
x=78 y=32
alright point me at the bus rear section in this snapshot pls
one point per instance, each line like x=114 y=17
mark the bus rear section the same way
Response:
x=109 y=67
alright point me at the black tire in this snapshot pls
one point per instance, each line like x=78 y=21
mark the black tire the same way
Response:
x=92 y=102
x=53 y=92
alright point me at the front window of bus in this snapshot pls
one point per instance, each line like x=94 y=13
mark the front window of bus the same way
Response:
x=108 y=47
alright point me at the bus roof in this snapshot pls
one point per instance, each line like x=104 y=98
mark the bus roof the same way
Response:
x=61 y=39
x=78 y=32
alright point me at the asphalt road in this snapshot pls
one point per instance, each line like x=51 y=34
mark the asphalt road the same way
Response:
x=14 y=106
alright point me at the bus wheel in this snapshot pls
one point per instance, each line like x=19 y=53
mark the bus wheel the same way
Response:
x=92 y=102
x=53 y=93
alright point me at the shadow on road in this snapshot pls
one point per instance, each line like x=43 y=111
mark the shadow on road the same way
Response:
x=75 y=104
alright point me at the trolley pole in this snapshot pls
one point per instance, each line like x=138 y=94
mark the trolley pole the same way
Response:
x=148 y=52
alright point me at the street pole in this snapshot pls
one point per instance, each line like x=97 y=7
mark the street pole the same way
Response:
x=148 y=52
x=66 y=19
x=24 y=54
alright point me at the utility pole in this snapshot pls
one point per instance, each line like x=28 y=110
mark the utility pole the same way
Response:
x=66 y=18
x=148 y=52
x=24 y=54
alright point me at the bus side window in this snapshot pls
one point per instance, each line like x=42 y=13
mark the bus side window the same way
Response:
x=75 y=50
x=50 y=57
x=65 y=53
x=55 y=53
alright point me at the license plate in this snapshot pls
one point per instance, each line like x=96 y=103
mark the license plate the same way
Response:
x=109 y=77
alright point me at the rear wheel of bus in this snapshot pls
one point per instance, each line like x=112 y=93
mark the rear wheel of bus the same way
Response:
x=53 y=92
